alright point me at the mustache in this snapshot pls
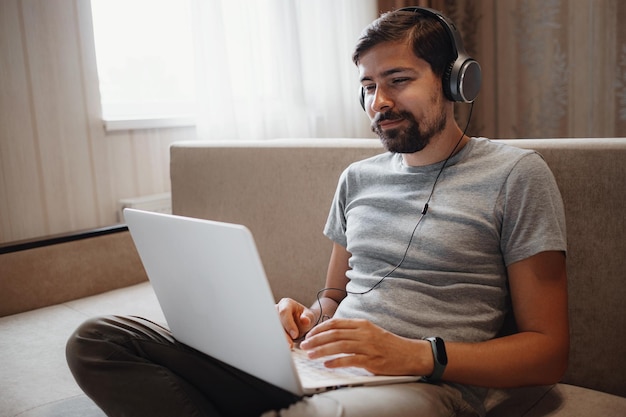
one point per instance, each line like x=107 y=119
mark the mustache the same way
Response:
x=388 y=115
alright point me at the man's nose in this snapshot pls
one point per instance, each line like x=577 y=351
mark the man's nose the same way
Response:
x=381 y=101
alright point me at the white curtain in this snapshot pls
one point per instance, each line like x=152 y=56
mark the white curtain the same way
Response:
x=278 y=68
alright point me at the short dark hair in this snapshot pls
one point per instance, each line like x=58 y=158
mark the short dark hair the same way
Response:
x=427 y=37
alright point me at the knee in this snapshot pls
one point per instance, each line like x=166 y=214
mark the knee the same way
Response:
x=101 y=340
x=81 y=347
x=94 y=343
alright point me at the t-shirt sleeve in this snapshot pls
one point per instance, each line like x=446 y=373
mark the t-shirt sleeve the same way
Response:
x=533 y=213
x=335 y=228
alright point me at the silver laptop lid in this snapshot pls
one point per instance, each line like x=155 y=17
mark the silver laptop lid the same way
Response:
x=210 y=283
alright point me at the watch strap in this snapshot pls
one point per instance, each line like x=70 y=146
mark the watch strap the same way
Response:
x=440 y=359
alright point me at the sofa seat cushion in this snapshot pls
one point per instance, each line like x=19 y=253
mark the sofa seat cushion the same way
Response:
x=561 y=400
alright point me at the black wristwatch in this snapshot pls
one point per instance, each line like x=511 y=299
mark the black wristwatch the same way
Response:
x=440 y=358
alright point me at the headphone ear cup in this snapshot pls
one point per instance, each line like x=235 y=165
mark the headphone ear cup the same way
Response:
x=446 y=81
x=462 y=79
x=362 y=97
x=469 y=80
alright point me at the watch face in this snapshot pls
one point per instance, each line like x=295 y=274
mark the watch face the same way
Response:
x=442 y=357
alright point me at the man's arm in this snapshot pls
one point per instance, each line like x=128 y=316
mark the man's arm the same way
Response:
x=297 y=319
x=336 y=282
x=536 y=355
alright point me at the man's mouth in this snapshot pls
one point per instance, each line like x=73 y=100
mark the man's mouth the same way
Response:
x=390 y=124
x=387 y=121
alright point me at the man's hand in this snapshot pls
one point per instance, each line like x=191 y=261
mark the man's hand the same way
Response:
x=368 y=346
x=297 y=320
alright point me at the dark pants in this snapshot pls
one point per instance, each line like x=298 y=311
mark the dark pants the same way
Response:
x=132 y=367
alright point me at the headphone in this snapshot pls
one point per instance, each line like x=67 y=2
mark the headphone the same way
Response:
x=461 y=80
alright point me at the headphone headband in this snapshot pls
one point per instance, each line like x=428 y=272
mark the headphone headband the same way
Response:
x=462 y=79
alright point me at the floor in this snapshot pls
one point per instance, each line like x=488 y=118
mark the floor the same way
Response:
x=36 y=381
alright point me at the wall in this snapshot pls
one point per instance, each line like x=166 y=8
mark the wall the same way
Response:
x=552 y=68
x=59 y=170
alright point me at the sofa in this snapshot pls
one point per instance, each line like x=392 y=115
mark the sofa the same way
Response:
x=281 y=190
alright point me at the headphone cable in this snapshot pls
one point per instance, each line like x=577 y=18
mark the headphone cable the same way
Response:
x=408 y=246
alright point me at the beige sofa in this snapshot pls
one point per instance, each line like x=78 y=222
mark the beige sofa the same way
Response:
x=282 y=190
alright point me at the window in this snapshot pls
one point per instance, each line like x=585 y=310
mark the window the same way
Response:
x=241 y=69
x=144 y=52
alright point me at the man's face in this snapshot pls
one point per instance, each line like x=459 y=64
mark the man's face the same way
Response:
x=403 y=97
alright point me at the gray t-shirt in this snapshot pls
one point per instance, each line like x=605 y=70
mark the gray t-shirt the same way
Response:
x=493 y=205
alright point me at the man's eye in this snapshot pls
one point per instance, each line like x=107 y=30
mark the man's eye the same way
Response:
x=369 y=88
x=400 y=80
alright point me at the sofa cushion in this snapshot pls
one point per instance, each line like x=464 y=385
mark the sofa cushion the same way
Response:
x=561 y=400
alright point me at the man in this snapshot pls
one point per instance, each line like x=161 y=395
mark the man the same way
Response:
x=439 y=238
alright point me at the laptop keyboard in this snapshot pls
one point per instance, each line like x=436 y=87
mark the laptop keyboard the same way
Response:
x=314 y=368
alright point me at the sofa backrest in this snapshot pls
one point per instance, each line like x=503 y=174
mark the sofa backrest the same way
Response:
x=282 y=191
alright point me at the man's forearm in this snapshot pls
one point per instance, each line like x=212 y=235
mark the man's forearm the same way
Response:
x=324 y=308
x=522 y=359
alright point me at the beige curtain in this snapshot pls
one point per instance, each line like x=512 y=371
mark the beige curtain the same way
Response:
x=260 y=65
x=551 y=68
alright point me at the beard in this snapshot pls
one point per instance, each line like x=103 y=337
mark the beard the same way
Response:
x=410 y=139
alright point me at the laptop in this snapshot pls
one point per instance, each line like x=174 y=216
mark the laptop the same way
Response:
x=212 y=288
